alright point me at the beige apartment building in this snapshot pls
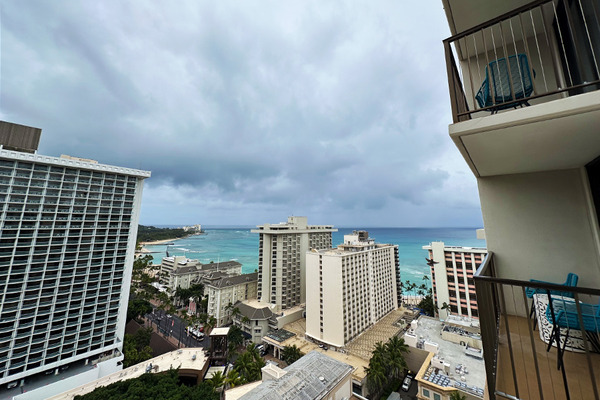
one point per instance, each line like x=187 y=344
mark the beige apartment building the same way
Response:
x=353 y=287
x=452 y=278
x=523 y=78
x=282 y=259
x=224 y=290
x=180 y=271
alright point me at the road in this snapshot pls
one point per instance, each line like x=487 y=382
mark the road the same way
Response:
x=173 y=326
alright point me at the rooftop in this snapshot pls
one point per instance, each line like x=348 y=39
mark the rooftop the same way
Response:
x=219 y=331
x=253 y=309
x=280 y=335
x=233 y=280
x=311 y=377
x=189 y=358
x=461 y=364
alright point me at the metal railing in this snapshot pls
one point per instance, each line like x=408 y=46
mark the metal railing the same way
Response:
x=509 y=315
x=553 y=48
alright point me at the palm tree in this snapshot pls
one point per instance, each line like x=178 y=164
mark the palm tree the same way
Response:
x=457 y=396
x=233 y=379
x=396 y=349
x=217 y=380
x=291 y=354
x=376 y=377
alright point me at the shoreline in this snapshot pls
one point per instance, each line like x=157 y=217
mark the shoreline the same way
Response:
x=156 y=242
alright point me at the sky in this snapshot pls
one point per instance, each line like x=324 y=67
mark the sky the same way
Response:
x=246 y=112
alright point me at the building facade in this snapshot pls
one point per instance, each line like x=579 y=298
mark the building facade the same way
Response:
x=180 y=271
x=254 y=318
x=282 y=259
x=452 y=278
x=354 y=287
x=225 y=290
x=532 y=144
x=67 y=240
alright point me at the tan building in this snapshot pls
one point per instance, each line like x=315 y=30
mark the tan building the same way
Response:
x=354 y=286
x=282 y=259
x=254 y=319
x=180 y=271
x=224 y=290
x=452 y=278
x=532 y=143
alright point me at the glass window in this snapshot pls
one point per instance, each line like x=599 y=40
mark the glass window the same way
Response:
x=425 y=392
x=436 y=397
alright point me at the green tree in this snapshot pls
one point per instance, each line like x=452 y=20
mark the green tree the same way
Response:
x=249 y=364
x=136 y=347
x=164 y=386
x=291 y=354
x=233 y=379
x=456 y=395
x=217 y=380
x=141 y=277
x=138 y=308
x=235 y=338
x=396 y=349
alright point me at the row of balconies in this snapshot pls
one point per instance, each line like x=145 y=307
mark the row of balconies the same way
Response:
x=69 y=185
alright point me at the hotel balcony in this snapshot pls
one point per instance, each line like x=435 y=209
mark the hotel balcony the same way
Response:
x=539 y=110
x=519 y=362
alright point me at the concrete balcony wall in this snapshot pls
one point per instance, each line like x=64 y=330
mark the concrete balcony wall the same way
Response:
x=541 y=226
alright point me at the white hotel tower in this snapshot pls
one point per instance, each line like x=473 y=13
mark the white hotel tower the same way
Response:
x=282 y=262
x=67 y=239
x=351 y=288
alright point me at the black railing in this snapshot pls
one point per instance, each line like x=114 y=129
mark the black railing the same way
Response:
x=539 y=52
x=510 y=310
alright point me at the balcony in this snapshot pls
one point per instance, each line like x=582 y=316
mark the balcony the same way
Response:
x=518 y=361
x=515 y=116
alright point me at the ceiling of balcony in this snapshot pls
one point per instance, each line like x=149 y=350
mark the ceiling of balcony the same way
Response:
x=465 y=14
x=556 y=135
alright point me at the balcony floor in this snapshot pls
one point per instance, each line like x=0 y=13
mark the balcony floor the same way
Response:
x=576 y=366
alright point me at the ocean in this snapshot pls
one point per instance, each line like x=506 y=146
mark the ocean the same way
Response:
x=241 y=245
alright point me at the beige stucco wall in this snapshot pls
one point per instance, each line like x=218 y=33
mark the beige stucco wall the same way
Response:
x=541 y=225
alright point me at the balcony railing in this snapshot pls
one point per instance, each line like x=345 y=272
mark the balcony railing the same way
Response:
x=552 y=48
x=522 y=359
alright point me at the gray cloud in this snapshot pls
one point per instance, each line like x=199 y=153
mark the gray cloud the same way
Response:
x=252 y=110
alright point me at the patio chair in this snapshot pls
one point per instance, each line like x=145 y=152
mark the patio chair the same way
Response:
x=565 y=316
x=500 y=78
x=572 y=280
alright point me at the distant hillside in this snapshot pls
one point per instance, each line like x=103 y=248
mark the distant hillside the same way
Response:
x=151 y=233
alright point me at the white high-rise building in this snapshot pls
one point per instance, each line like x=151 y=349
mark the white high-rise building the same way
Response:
x=67 y=239
x=353 y=287
x=282 y=259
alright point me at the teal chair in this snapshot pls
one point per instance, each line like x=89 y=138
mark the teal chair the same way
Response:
x=565 y=316
x=572 y=280
x=506 y=82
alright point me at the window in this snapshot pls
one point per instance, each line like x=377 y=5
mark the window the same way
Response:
x=425 y=392
x=436 y=397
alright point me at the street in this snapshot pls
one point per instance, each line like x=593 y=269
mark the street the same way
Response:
x=172 y=326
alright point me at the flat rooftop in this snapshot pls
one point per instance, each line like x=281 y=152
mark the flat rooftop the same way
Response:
x=430 y=330
x=192 y=358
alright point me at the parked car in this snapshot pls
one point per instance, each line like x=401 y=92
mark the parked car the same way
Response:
x=407 y=382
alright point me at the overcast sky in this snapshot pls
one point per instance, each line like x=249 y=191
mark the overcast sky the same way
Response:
x=248 y=111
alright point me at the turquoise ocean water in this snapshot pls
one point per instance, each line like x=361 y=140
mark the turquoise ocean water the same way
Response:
x=242 y=245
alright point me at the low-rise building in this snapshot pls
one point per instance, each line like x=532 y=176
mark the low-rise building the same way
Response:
x=253 y=318
x=314 y=376
x=453 y=357
x=224 y=290
x=180 y=271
